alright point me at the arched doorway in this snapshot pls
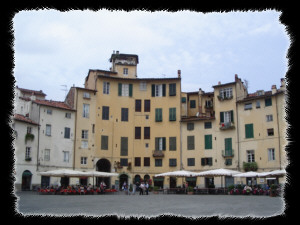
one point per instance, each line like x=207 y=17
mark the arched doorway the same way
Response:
x=103 y=165
x=26 y=180
x=123 y=178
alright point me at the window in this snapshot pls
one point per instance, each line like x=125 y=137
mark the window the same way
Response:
x=271 y=154
x=49 y=111
x=257 y=104
x=86 y=111
x=105 y=113
x=29 y=130
x=270 y=132
x=158 y=162
x=146 y=161
x=208 y=141
x=228 y=146
x=208 y=104
x=124 y=146
x=160 y=143
x=28 y=153
x=47 y=155
x=206 y=161
x=106 y=86
x=84 y=144
x=158 y=90
x=68 y=115
x=123 y=162
x=191 y=161
x=125 y=71
x=248 y=106
x=183 y=100
x=48 y=130
x=192 y=104
x=207 y=125
x=269 y=118
x=190 y=126
x=249 y=130
x=190 y=142
x=226 y=117
x=228 y=162
x=158 y=115
x=137 y=132
x=147 y=106
x=146 y=132
x=172 y=162
x=66 y=156
x=125 y=89
x=138 y=105
x=268 y=102
x=250 y=156
x=104 y=142
x=137 y=161
x=84 y=134
x=67 y=132
x=172 y=143
x=86 y=95
x=143 y=86
x=124 y=114
x=83 y=160
x=172 y=114
x=172 y=89
x=226 y=93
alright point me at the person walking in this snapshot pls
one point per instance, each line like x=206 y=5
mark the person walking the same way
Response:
x=147 y=188
x=142 y=187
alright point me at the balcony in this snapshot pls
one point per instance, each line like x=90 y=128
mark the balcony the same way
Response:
x=158 y=153
x=227 y=153
x=222 y=98
x=227 y=126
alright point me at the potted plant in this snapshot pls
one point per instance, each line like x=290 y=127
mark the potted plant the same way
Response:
x=230 y=189
x=190 y=190
x=155 y=189
x=29 y=137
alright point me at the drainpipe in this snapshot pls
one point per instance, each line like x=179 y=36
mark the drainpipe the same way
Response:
x=279 y=145
x=38 y=148
x=75 y=128
x=237 y=129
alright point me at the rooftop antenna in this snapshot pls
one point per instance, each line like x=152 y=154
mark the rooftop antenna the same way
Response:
x=65 y=89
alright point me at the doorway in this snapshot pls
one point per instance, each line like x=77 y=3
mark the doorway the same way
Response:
x=26 y=180
x=123 y=178
x=103 y=165
x=173 y=182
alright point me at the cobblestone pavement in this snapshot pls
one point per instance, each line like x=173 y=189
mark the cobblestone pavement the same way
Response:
x=152 y=205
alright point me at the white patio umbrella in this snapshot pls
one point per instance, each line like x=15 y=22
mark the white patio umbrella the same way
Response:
x=179 y=173
x=275 y=173
x=248 y=174
x=62 y=173
x=218 y=172
x=99 y=174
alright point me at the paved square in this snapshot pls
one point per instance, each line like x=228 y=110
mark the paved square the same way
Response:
x=30 y=203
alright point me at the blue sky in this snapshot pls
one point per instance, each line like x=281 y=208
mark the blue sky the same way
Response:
x=55 y=48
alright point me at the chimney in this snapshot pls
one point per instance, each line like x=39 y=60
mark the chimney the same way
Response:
x=219 y=82
x=179 y=73
x=236 y=77
x=282 y=86
x=117 y=52
x=274 y=89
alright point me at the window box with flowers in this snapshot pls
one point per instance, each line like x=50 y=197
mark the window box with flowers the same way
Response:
x=29 y=137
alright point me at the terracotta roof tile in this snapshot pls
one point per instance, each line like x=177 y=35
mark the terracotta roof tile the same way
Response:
x=25 y=119
x=55 y=104
x=34 y=92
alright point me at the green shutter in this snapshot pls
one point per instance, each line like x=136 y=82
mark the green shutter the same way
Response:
x=130 y=90
x=190 y=143
x=249 y=130
x=158 y=115
x=208 y=141
x=164 y=89
x=172 y=89
x=104 y=142
x=124 y=146
x=209 y=161
x=228 y=144
x=222 y=117
x=119 y=89
x=153 y=90
x=172 y=143
x=202 y=161
x=172 y=114
x=164 y=143
x=156 y=143
x=231 y=114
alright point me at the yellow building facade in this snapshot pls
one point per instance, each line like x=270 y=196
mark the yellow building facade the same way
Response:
x=139 y=127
